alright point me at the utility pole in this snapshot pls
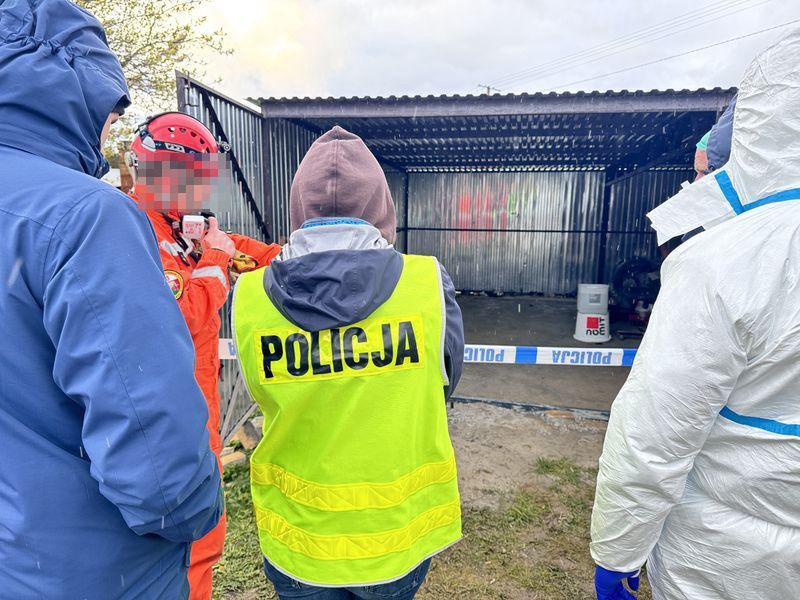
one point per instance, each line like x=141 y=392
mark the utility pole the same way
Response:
x=488 y=88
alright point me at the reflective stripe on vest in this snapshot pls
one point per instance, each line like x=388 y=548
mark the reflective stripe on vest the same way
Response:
x=354 y=482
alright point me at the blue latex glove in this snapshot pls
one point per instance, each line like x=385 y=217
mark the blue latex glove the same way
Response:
x=608 y=584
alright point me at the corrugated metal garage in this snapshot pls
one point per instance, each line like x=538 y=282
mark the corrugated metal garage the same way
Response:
x=514 y=193
x=530 y=193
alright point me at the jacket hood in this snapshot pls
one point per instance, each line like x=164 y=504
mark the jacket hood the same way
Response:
x=340 y=177
x=59 y=81
x=333 y=275
x=764 y=164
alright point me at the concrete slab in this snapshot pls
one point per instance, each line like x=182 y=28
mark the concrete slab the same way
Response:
x=533 y=321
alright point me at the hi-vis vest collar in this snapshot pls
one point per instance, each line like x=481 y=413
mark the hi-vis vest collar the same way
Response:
x=354 y=482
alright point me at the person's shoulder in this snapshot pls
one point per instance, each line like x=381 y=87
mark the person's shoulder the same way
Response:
x=418 y=258
x=98 y=196
x=742 y=237
x=97 y=211
x=743 y=262
x=44 y=192
x=425 y=259
x=98 y=203
x=772 y=225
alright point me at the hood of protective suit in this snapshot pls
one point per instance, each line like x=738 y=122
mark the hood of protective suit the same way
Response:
x=59 y=81
x=764 y=164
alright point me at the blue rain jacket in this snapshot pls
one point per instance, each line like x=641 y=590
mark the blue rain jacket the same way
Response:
x=720 y=137
x=106 y=474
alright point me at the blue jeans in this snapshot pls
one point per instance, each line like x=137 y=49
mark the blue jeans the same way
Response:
x=404 y=588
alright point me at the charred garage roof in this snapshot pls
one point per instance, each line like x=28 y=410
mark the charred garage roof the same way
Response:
x=617 y=131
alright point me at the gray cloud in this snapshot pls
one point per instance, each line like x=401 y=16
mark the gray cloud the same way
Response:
x=374 y=47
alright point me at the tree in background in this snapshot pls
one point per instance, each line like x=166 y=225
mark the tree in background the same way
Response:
x=153 y=38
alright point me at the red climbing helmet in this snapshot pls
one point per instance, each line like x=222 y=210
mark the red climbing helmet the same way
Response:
x=177 y=163
x=174 y=132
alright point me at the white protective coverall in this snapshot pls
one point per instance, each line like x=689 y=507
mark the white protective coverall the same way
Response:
x=700 y=470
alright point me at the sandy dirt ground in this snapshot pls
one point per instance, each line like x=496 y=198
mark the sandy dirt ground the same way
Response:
x=496 y=448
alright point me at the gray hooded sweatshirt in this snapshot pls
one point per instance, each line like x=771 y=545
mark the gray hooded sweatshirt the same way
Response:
x=337 y=270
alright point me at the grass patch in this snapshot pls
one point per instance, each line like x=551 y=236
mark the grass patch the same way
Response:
x=239 y=575
x=561 y=468
x=527 y=508
x=533 y=546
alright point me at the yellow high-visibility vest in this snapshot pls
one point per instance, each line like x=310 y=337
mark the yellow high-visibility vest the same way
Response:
x=354 y=482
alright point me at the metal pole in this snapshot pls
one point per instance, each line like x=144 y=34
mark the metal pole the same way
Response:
x=266 y=172
x=405 y=210
x=181 y=87
x=604 y=219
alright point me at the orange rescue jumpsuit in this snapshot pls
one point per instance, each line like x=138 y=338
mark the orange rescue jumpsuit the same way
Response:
x=201 y=285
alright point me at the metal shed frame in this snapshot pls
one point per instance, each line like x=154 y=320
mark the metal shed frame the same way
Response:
x=622 y=134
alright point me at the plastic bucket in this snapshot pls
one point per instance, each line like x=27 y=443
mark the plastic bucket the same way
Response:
x=593 y=298
x=593 y=328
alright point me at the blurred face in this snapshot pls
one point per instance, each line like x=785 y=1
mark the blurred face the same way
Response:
x=184 y=183
x=112 y=118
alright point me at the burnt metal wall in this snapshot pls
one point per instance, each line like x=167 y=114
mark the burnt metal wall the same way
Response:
x=397 y=186
x=630 y=233
x=532 y=232
x=523 y=232
x=287 y=145
x=242 y=126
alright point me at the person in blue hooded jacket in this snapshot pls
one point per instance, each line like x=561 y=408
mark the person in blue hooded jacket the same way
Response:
x=106 y=473
x=720 y=137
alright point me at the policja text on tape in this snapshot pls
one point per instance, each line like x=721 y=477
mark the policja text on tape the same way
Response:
x=518 y=355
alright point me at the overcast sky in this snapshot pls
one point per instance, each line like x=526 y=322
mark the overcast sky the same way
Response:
x=381 y=47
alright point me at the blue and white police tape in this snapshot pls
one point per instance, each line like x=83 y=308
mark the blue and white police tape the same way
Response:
x=544 y=355
x=518 y=355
